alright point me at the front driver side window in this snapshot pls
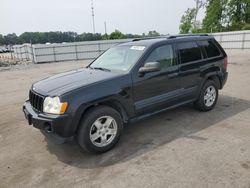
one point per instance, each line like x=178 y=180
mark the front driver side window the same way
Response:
x=163 y=55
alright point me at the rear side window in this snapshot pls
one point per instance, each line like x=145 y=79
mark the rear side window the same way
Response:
x=164 y=55
x=189 y=51
x=210 y=48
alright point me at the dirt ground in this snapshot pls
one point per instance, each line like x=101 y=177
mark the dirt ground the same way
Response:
x=179 y=148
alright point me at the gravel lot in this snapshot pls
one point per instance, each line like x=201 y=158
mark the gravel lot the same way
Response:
x=179 y=148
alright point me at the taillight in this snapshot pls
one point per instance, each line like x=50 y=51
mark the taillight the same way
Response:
x=225 y=62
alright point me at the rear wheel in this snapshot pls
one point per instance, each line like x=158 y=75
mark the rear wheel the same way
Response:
x=100 y=129
x=208 y=96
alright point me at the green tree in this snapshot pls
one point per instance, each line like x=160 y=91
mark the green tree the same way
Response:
x=11 y=39
x=239 y=14
x=198 y=5
x=131 y=36
x=215 y=16
x=59 y=37
x=153 y=34
x=247 y=11
x=226 y=15
x=187 y=20
x=116 y=35
x=246 y=27
x=89 y=37
x=29 y=36
x=1 y=40
x=105 y=37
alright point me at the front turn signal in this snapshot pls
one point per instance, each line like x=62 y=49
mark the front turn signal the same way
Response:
x=64 y=106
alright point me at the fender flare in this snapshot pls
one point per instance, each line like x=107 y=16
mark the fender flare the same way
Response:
x=114 y=103
x=216 y=76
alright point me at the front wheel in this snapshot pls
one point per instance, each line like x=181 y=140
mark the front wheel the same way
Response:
x=208 y=96
x=100 y=129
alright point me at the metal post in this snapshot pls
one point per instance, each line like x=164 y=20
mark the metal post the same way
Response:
x=54 y=53
x=243 y=41
x=221 y=38
x=99 y=48
x=21 y=54
x=17 y=54
x=26 y=52
x=76 y=52
x=11 y=54
x=32 y=52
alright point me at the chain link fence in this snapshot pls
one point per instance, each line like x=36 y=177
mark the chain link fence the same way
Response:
x=40 y=53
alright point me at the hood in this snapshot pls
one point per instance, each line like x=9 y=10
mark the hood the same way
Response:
x=64 y=82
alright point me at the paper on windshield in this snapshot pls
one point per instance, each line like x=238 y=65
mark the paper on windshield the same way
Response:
x=141 y=48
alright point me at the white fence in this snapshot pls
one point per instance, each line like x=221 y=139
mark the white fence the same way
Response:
x=40 y=53
x=233 y=40
x=23 y=52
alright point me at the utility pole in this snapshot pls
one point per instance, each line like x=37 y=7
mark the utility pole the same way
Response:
x=93 y=15
x=105 y=28
x=198 y=5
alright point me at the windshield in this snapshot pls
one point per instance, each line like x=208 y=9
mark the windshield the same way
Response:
x=119 y=58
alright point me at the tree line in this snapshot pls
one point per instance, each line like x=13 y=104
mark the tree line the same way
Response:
x=59 y=37
x=220 y=16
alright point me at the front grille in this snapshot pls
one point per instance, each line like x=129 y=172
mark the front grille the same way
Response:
x=36 y=101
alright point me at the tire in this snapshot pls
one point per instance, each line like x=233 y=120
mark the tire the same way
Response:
x=100 y=129
x=207 y=100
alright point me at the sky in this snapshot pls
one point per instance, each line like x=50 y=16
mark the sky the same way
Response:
x=128 y=16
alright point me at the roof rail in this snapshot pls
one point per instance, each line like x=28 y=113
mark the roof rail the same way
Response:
x=170 y=36
x=148 y=38
x=186 y=35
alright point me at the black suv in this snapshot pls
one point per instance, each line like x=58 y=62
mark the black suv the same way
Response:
x=128 y=82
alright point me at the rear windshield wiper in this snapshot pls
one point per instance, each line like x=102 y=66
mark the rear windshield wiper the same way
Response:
x=99 y=68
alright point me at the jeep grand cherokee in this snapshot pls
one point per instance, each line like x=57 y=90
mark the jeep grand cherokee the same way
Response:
x=128 y=82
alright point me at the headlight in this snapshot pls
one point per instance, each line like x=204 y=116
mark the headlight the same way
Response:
x=54 y=106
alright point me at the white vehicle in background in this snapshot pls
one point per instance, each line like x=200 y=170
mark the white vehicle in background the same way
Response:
x=4 y=49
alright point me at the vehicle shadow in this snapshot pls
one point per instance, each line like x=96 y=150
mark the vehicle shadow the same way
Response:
x=148 y=134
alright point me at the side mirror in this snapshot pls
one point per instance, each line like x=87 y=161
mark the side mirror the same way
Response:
x=150 y=67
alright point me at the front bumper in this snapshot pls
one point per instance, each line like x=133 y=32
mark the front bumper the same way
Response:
x=57 y=126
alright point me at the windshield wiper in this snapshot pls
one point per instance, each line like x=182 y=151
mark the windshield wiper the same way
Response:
x=100 y=68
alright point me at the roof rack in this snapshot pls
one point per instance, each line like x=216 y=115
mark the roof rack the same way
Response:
x=148 y=38
x=170 y=36
x=186 y=35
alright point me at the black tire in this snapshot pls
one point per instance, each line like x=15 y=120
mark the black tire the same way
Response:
x=86 y=126
x=200 y=103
